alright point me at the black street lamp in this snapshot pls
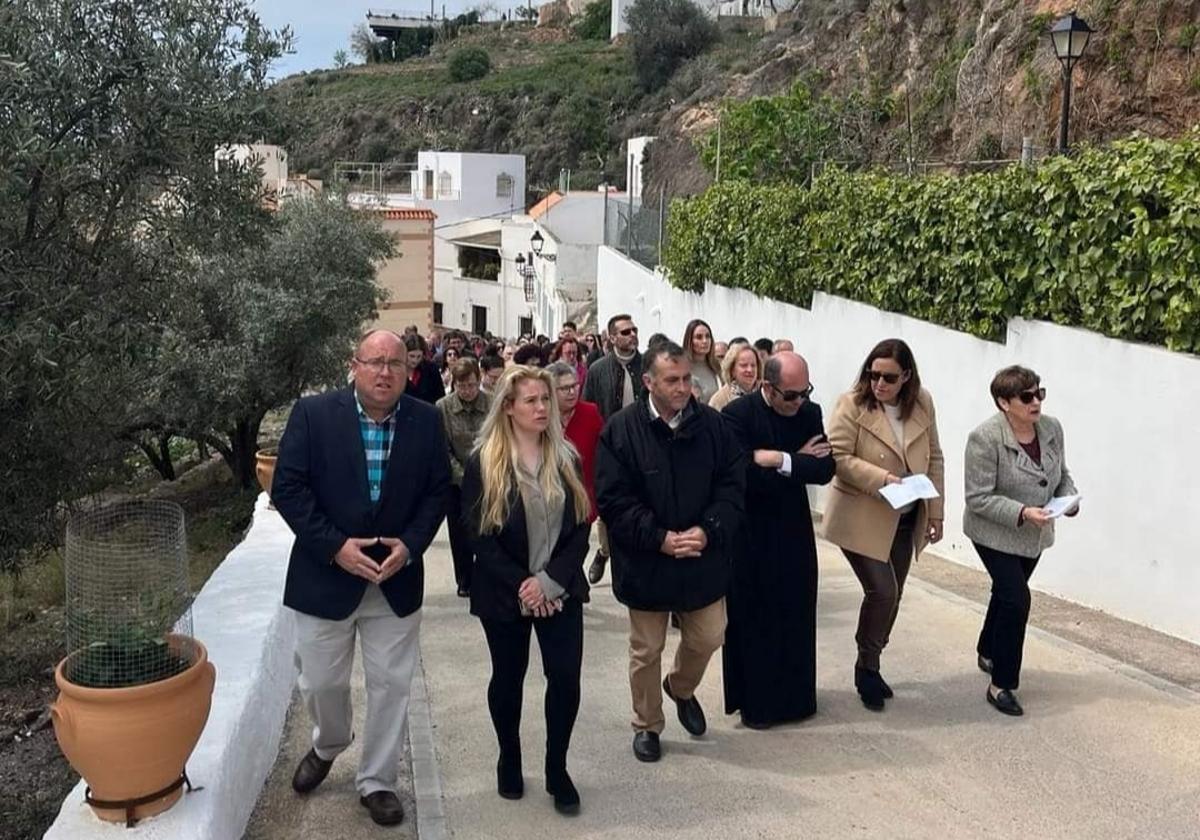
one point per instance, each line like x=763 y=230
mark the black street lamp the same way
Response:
x=1069 y=37
x=527 y=273
x=536 y=242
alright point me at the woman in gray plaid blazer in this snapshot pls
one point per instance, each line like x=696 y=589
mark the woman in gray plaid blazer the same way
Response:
x=1014 y=466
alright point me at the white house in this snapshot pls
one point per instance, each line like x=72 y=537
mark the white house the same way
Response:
x=471 y=194
x=271 y=160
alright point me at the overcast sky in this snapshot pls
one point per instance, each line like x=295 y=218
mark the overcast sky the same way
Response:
x=322 y=27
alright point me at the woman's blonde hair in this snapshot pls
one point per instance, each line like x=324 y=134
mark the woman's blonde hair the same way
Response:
x=498 y=458
x=731 y=355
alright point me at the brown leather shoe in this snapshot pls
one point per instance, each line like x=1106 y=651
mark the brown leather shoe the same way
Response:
x=384 y=806
x=312 y=771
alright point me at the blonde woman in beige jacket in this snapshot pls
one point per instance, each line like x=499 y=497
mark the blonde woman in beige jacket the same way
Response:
x=882 y=430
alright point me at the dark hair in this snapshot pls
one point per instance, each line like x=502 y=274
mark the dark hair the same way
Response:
x=765 y=344
x=453 y=334
x=666 y=348
x=464 y=369
x=655 y=340
x=612 y=322
x=1011 y=381
x=710 y=359
x=415 y=342
x=772 y=370
x=896 y=350
x=570 y=324
x=741 y=339
x=530 y=354
x=490 y=361
x=458 y=354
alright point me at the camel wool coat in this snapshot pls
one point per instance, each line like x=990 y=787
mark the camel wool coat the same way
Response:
x=856 y=517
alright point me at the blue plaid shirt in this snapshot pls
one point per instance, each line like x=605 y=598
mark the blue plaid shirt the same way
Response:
x=377 y=442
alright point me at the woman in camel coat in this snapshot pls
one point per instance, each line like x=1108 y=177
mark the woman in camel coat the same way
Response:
x=882 y=430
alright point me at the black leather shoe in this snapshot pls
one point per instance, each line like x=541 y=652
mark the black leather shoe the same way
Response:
x=884 y=688
x=464 y=592
x=566 y=797
x=596 y=570
x=690 y=713
x=384 y=807
x=869 y=689
x=312 y=771
x=754 y=724
x=510 y=784
x=1005 y=702
x=646 y=746
x=984 y=664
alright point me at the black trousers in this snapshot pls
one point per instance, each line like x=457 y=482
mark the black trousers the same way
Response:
x=1002 y=639
x=561 y=641
x=460 y=539
x=883 y=586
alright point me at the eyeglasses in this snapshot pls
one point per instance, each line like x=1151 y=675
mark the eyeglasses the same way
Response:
x=628 y=331
x=377 y=365
x=889 y=378
x=792 y=396
x=566 y=389
x=1028 y=396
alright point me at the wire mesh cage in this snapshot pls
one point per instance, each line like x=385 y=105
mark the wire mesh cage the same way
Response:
x=129 y=616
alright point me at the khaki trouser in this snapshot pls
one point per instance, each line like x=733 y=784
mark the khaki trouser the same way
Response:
x=325 y=655
x=702 y=632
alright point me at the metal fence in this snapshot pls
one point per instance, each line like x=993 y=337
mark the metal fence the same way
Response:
x=637 y=229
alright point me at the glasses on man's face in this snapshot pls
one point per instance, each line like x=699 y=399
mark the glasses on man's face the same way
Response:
x=378 y=365
x=628 y=331
x=568 y=389
x=792 y=396
x=889 y=378
x=1029 y=396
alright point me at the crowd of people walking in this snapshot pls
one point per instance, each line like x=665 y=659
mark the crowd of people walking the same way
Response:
x=694 y=462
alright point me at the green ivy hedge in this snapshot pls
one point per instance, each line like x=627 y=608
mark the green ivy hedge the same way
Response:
x=1107 y=240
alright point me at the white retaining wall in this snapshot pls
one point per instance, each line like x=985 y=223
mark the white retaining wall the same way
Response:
x=1130 y=416
x=250 y=636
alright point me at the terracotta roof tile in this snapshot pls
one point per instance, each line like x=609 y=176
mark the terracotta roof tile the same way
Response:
x=405 y=215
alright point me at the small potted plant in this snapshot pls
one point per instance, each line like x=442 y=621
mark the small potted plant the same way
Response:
x=136 y=688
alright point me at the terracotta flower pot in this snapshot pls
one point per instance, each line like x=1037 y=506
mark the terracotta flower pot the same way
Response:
x=129 y=743
x=264 y=468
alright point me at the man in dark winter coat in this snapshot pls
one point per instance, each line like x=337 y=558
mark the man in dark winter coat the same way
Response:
x=670 y=483
x=613 y=382
x=770 y=653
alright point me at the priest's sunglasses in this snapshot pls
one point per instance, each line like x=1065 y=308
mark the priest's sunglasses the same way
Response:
x=792 y=396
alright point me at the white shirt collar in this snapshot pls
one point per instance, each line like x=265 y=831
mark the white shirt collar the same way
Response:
x=673 y=423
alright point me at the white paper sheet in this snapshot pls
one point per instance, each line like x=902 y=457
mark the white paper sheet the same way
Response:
x=1059 y=505
x=910 y=489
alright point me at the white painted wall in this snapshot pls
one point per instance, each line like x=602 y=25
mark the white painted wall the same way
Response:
x=1129 y=414
x=635 y=157
x=578 y=217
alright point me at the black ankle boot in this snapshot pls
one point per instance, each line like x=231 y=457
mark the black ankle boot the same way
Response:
x=510 y=784
x=560 y=786
x=884 y=688
x=869 y=688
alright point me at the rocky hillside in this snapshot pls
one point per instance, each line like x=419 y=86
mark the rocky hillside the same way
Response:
x=950 y=79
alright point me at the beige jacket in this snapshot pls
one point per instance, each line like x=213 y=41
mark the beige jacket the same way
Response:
x=856 y=517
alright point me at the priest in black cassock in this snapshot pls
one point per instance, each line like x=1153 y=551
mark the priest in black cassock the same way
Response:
x=770 y=642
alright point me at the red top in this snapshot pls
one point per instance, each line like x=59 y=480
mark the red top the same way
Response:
x=584 y=432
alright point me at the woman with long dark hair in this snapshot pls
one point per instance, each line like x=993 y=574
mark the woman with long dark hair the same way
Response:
x=698 y=344
x=882 y=430
x=529 y=512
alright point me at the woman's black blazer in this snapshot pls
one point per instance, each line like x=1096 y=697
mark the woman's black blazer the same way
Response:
x=502 y=558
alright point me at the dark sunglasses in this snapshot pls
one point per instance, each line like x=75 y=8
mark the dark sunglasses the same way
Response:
x=792 y=396
x=628 y=331
x=1028 y=396
x=889 y=378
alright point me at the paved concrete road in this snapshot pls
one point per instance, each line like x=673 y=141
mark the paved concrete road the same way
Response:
x=1103 y=751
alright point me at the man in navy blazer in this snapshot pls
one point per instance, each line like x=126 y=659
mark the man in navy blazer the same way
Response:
x=362 y=479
